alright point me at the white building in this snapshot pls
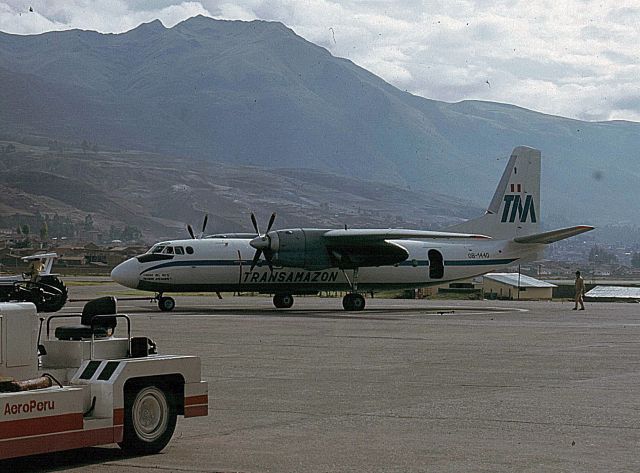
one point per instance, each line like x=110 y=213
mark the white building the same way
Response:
x=516 y=286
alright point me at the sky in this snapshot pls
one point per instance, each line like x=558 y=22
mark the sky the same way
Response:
x=574 y=58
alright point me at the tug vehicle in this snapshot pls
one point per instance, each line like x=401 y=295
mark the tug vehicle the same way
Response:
x=45 y=290
x=85 y=386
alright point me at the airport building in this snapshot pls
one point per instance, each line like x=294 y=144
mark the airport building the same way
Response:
x=614 y=294
x=516 y=286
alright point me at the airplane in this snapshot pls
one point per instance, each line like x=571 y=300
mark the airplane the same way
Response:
x=297 y=261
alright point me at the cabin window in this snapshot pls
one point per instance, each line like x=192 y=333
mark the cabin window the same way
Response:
x=179 y=250
x=436 y=264
x=189 y=250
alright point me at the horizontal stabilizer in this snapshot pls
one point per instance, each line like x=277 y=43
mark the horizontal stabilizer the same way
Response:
x=554 y=235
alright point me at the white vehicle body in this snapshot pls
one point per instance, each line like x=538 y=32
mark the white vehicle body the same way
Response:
x=102 y=390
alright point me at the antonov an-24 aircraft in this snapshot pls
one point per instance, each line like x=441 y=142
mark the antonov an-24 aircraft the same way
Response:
x=308 y=260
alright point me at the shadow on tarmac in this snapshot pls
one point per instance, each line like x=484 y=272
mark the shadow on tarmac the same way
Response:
x=59 y=461
x=382 y=313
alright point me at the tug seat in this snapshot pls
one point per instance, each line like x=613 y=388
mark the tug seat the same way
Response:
x=100 y=327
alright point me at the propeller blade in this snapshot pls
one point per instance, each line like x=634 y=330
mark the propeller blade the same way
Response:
x=262 y=242
x=240 y=274
x=255 y=223
x=271 y=220
x=268 y=255
x=190 y=230
x=204 y=223
x=255 y=259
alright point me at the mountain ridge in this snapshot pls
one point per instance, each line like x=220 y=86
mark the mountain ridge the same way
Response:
x=255 y=93
x=161 y=194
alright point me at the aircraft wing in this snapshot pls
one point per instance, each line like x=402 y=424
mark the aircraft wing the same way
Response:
x=362 y=236
x=372 y=247
x=554 y=235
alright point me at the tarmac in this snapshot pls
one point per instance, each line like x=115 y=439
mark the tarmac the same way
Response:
x=406 y=385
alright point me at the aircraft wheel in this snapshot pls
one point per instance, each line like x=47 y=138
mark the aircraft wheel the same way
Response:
x=149 y=418
x=283 y=301
x=353 y=302
x=166 y=304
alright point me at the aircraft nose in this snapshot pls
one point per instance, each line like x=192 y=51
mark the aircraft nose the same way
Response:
x=127 y=273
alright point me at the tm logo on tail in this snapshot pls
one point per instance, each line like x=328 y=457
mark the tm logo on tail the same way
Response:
x=513 y=208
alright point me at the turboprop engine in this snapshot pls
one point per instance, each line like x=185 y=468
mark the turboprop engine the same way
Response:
x=313 y=249
x=316 y=249
x=298 y=248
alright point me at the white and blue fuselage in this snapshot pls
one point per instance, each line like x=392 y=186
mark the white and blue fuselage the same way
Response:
x=223 y=265
x=507 y=234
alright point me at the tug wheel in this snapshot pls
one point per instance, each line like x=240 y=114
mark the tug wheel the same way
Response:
x=166 y=304
x=149 y=419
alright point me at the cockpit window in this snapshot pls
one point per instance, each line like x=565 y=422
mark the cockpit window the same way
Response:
x=169 y=250
x=179 y=250
x=157 y=249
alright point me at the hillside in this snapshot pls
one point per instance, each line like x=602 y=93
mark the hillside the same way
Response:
x=161 y=194
x=256 y=94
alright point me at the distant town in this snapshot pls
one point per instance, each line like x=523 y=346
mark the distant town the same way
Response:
x=81 y=249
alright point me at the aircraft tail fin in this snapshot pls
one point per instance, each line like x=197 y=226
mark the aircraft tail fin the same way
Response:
x=515 y=207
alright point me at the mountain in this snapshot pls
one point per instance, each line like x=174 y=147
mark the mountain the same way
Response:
x=256 y=94
x=160 y=194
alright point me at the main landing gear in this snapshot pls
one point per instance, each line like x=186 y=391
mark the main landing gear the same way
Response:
x=283 y=301
x=353 y=301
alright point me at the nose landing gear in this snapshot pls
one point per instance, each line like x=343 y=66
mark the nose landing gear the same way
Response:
x=165 y=304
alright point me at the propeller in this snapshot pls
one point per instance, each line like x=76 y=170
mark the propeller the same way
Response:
x=204 y=226
x=262 y=243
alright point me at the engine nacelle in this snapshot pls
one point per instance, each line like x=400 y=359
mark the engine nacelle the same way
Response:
x=310 y=250
x=300 y=248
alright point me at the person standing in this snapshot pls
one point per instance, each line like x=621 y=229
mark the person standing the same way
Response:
x=579 y=291
x=34 y=270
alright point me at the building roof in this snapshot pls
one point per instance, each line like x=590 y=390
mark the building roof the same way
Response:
x=511 y=279
x=614 y=292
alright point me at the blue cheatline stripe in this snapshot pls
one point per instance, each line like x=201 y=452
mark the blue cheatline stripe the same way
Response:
x=223 y=262
x=418 y=263
x=479 y=262
x=204 y=262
